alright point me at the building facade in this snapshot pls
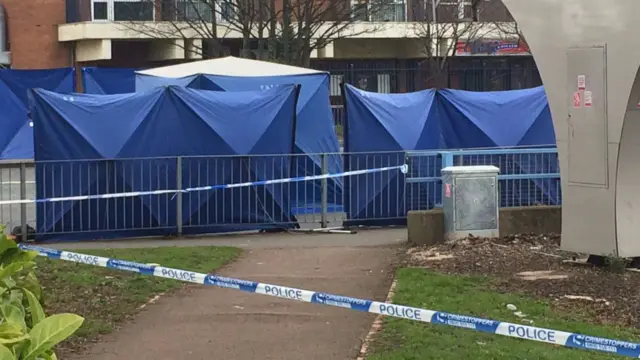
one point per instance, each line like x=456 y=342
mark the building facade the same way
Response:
x=382 y=50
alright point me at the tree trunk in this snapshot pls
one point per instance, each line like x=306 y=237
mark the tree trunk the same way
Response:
x=261 y=27
x=246 y=44
x=273 y=23
x=286 y=31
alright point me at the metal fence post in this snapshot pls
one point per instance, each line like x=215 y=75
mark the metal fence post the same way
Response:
x=324 y=195
x=23 y=196
x=179 y=195
x=447 y=159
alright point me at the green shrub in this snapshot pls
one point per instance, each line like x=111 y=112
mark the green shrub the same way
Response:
x=26 y=332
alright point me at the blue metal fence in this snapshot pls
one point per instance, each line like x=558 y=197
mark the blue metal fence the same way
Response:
x=529 y=177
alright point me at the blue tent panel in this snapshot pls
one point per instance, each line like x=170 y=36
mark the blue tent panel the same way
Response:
x=201 y=82
x=108 y=81
x=504 y=119
x=498 y=118
x=315 y=133
x=385 y=126
x=16 y=134
x=111 y=130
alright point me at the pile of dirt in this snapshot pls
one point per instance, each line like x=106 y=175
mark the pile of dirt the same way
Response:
x=534 y=265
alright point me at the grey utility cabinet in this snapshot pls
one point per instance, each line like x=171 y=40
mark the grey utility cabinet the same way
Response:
x=470 y=201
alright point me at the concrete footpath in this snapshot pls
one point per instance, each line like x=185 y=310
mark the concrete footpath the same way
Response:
x=212 y=323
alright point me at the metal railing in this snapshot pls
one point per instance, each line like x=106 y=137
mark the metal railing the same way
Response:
x=529 y=177
x=490 y=73
x=17 y=181
x=338 y=119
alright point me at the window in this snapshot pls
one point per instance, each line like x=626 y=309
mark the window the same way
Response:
x=133 y=11
x=203 y=11
x=100 y=11
x=379 y=10
x=388 y=10
x=197 y=11
x=360 y=10
x=461 y=6
x=122 y=10
x=227 y=11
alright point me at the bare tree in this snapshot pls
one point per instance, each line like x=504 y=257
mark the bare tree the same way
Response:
x=211 y=21
x=497 y=14
x=314 y=24
x=445 y=24
x=511 y=31
x=450 y=26
x=286 y=31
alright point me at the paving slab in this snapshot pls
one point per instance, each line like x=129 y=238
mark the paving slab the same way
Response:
x=363 y=237
x=213 y=323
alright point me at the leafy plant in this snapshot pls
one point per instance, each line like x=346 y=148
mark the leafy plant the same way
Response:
x=26 y=332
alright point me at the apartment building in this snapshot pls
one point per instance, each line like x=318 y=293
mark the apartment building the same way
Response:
x=382 y=50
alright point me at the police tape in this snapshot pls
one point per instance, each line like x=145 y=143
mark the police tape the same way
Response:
x=555 y=337
x=403 y=168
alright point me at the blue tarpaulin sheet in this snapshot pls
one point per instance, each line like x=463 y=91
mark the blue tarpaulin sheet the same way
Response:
x=517 y=118
x=101 y=144
x=16 y=134
x=384 y=126
x=108 y=81
x=315 y=132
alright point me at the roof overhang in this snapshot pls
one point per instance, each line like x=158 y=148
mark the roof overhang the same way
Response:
x=363 y=30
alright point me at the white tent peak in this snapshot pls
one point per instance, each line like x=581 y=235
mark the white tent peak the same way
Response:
x=230 y=66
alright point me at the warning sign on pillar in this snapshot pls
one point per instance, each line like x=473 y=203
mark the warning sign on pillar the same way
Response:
x=447 y=190
x=582 y=82
x=577 y=100
x=588 y=99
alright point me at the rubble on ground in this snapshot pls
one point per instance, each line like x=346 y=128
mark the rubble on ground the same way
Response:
x=533 y=265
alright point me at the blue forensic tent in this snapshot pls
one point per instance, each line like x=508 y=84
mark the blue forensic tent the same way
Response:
x=108 y=81
x=384 y=126
x=16 y=133
x=504 y=119
x=101 y=144
x=315 y=131
x=201 y=82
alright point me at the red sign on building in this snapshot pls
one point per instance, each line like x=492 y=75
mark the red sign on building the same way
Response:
x=491 y=47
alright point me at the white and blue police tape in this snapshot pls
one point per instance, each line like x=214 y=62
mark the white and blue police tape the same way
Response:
x=556 y=337
x=403 y=168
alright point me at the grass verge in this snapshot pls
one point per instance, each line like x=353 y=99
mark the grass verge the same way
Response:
x=464 y=295
x=107 y=297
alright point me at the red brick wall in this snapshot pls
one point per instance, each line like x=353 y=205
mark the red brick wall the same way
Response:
x=33 y=33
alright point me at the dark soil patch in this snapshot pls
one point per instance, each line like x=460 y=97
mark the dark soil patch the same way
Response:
x=609 y=295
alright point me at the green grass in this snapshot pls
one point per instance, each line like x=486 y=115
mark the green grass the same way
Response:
x=107 y=297
x=404 y=339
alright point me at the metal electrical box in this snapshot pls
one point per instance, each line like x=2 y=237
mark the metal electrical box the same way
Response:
x=586 y=85
x=470 y=201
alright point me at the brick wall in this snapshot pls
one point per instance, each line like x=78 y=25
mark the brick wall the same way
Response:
x=33 y=33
